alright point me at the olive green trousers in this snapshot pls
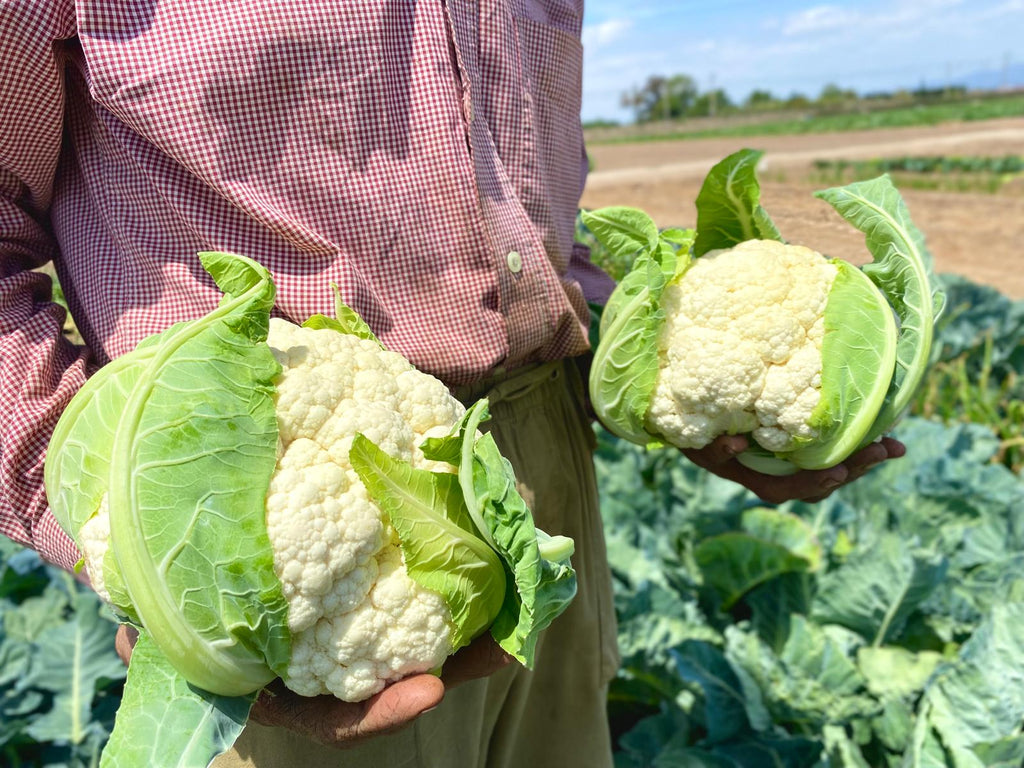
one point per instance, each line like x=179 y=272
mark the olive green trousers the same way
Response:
x=553 y=715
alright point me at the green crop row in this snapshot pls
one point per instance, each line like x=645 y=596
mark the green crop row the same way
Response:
x=920 y=115
x=946 y=173
x=926 y=164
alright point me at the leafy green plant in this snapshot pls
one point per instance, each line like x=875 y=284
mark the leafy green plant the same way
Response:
x=60 y=680
x=978 y=374
x=881 y=627
x=615 y=264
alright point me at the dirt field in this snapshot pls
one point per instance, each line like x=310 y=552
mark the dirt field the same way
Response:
x=978 y=235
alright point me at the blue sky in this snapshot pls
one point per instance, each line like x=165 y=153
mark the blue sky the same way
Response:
x=788 y=46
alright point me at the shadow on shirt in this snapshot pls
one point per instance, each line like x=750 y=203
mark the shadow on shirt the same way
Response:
x=334 y=79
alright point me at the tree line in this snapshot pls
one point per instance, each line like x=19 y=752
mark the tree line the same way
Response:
x=677 y=96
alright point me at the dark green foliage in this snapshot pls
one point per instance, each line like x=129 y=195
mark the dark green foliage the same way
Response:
x=900 y=604
x=60 y=679
x=977 y=376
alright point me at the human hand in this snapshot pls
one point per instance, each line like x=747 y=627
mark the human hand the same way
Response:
x=336 y=723
x=719 y=458
x=341 y=724
x=124 y=641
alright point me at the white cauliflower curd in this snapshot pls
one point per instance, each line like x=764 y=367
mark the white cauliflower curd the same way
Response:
x=357 y=619
x=740 y=349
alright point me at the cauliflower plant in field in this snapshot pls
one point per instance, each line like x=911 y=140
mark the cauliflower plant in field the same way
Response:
x=263 y=500
x=730 y=330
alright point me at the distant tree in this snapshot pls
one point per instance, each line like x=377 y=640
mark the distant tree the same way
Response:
x=661 y=98
x=760 y=99
x=711 y=103
x=797 y=101
x=833 y=95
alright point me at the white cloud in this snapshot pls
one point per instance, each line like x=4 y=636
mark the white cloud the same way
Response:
x=606 y=32
x=1010 y=6
x=819 y=19
x=825 y=19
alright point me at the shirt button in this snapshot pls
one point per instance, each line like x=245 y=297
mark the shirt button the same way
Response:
x=514 y=261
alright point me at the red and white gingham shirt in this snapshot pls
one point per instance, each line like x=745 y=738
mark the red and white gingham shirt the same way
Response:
x=425 y=156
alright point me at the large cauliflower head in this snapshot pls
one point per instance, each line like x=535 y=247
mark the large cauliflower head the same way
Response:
x=357 y=619
x=740 y=349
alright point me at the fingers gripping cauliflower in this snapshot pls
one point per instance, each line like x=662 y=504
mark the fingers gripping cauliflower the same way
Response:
x=740 y=350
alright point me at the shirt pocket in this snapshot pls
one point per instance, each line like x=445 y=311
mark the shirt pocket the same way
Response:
x=553 y=68
x=553 y=74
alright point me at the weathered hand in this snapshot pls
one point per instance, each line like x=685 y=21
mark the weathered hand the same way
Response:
x=338 y=723
x=124 y=641
x=480 y=658
x=341 y=724
x=719 y=458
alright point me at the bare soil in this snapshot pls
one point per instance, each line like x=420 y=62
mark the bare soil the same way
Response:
x=978 y=235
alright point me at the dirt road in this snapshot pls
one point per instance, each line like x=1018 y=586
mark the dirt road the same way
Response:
x=978 y=235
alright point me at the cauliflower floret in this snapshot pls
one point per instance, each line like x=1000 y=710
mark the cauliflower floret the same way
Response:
x=398 y=629
x=93 y=542
x=740 y=350
x=357 y=619
x=323 y=529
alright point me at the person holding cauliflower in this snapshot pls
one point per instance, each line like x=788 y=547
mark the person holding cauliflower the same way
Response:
x=426 y=159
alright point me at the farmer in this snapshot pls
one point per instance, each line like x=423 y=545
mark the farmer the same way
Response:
x=426 y=157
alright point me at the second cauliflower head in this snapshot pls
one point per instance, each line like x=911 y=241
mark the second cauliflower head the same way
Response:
x=740 y=350
x=729 y=329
